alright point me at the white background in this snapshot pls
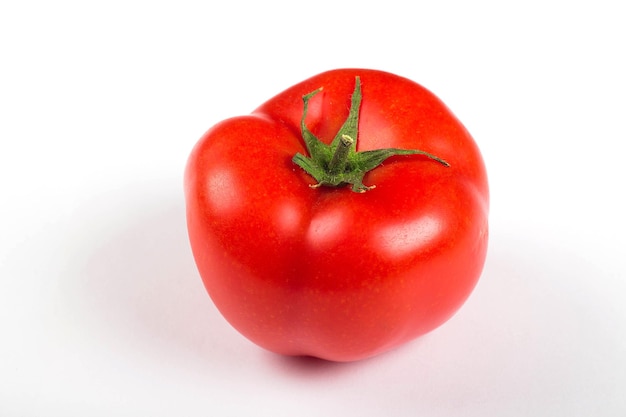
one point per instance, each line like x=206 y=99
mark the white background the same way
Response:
x=102 y=312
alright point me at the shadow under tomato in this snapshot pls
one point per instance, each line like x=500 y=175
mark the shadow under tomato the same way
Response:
x=133 y=285
x=311 y=368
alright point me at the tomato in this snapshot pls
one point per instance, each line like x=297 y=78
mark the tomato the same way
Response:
x=342 y=218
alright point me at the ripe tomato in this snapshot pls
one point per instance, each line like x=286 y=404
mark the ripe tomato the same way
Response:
x=296 y=247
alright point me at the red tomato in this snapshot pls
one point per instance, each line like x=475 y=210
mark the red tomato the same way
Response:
x=299 y=262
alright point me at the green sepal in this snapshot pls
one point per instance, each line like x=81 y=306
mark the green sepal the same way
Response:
x=339 y=163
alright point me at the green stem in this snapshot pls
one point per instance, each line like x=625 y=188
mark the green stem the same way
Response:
x=340 y=158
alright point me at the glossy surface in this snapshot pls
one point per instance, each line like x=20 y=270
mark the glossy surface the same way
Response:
x=328 y=272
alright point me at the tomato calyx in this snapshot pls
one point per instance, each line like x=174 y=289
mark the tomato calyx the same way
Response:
x=339 y=163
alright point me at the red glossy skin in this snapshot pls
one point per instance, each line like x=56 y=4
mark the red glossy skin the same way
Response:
x=328 y=272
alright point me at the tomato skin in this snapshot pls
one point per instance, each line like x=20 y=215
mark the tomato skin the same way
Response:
x=328 y=272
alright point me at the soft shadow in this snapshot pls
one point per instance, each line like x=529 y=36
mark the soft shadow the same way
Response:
x=312 y=368
x=134 y=281
x=308 y=365
x=132 y=284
